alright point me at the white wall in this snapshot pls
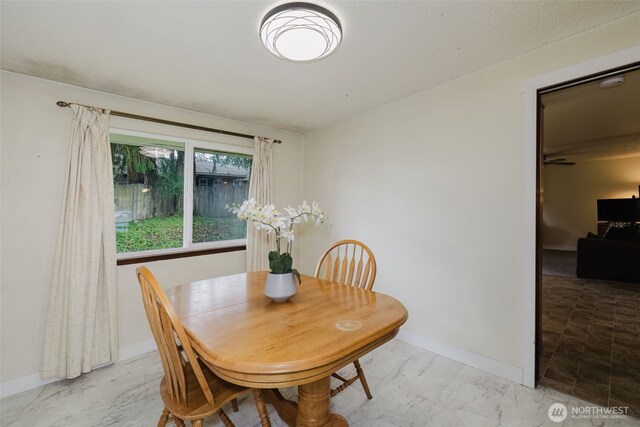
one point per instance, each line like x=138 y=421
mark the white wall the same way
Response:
x=570 y=194
x=35 y=137
x=433 y=183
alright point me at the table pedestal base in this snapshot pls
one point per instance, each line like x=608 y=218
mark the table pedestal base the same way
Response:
x=313 y=408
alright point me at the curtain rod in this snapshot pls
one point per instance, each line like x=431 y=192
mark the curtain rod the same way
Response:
x=65 y=104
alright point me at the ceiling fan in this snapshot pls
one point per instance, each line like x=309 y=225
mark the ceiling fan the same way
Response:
x=558 y=161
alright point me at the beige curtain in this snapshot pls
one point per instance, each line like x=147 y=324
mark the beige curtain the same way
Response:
x=260 y=243
x=82 y=330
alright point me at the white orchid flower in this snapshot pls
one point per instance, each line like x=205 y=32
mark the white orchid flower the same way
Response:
x=278 y=222
x=291 y=211
x=287 y=234
x=267 y=217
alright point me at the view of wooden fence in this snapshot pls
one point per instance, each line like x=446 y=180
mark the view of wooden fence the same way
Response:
x=136 y=202
x=132 y=202
x=212 y=201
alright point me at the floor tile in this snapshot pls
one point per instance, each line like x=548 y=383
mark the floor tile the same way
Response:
x=561 y=373
x=599 y=349
x=592 y=387
x=598 y=399
x=557 y=385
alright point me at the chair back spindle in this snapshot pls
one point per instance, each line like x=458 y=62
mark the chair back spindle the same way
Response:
x=348 y=262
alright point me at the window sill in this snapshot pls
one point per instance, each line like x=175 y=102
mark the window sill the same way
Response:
x=139 y=258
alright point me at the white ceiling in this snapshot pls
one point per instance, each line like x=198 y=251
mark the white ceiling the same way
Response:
x=207 y=56
x=586 y=122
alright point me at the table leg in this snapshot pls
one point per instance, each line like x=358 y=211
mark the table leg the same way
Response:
x=314 y=406
x=286 y=409
x=312 y=409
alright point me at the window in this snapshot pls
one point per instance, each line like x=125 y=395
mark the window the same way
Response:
x=212 y=221
x=163 y=200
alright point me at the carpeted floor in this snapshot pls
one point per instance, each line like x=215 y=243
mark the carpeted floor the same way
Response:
x=591 y=340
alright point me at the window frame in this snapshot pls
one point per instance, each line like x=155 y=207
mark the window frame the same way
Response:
x=188 y=247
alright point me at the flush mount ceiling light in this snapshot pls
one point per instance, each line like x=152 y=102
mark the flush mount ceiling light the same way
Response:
x=300 y=32
x=611 y=82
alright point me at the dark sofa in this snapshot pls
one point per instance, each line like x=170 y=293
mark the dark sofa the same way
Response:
x=609 y=259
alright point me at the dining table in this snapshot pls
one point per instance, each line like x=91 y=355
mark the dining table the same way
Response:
x=250 y=340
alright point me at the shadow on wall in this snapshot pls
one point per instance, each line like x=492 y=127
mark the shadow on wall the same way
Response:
x=557 y=237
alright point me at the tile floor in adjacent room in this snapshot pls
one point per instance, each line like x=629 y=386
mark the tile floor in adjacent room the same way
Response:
x=591 y=340
x=410 y=386
x=559 y=263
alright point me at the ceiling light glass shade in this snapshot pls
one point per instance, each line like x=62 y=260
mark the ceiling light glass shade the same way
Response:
x=300 y=32
x=155 y=152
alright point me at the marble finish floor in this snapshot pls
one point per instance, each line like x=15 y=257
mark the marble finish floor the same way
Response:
x=410 y=386
x=591 y=340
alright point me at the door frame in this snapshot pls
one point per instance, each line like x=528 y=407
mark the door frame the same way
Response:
x=530 y=88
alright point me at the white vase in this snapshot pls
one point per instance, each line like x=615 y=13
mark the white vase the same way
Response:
x=280 y=287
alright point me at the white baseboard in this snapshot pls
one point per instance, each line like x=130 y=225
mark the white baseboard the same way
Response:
x=18 y=385
x=501 y=369
x=560 y=247
x=137 y=349
x=495 y=367
x=28 y=382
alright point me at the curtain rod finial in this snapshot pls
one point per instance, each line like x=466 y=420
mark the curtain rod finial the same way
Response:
x=62 y=104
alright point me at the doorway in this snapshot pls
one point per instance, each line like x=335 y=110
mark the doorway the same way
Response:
x=588 y=327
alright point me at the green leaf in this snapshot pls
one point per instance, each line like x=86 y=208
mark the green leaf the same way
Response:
x=276 y=267
x=295 y=273
x=287 y=262
x=274 y=256
x=280 y=263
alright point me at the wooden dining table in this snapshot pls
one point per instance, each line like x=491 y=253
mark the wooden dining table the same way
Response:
x=249 y=340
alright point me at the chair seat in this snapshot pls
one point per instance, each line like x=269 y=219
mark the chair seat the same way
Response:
x=197 y=406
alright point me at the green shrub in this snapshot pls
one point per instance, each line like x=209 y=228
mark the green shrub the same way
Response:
x=166 y=232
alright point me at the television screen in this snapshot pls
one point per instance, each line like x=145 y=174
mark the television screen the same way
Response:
x=627 y=210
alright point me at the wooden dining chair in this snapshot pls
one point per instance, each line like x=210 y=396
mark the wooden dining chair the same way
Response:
x=190 y=390
x=349 y=262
